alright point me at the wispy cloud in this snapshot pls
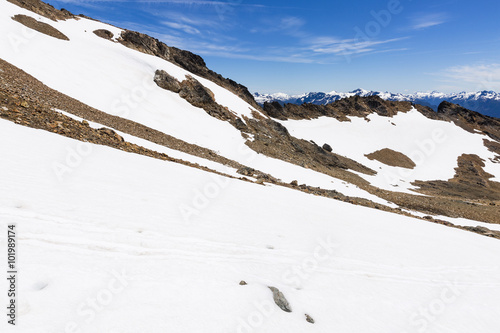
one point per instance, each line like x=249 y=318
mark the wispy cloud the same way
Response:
x=428 y=20
x=329 y=45
x=180 y=26
x=480 y=76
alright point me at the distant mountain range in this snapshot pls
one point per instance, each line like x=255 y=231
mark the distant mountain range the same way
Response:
x=485 y=102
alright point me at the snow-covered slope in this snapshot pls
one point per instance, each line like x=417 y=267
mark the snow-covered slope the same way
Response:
x=125 y=88
x=433 y=145
x=110 y=250
x=126 y=243
x=486 y=102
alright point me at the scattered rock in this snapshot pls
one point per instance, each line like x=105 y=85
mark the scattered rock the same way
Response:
x=85 y=123
x=309 y=319
x=294 y=183
x=24 y=104
x=111 y=133
x=280 y=300
x=327 y=147
x=243 y=283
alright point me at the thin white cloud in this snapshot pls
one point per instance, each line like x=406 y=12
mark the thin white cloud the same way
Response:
x=428 y=20
x=480 y=77
x=328 y=45
x=180 y=26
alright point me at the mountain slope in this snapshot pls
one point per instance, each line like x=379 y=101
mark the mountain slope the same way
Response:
x=151 y=195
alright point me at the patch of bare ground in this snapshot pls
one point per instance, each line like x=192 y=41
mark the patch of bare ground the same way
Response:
x=43 y=9
x=494 y=147
x=392 y=158
x=103 y=33
x=41 y=27
x=470 y=182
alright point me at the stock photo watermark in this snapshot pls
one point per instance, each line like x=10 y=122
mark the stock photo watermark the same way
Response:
x=425 y=318
x=293 y=277
x=426 y=148
x=88 y=310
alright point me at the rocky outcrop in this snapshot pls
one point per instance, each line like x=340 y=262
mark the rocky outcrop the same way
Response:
x=352 y=106
x=470 y=120
x=41 y=8
x=41 y=27
x=167 y=81
x=280 y=300
x=185 y=59
x=197 y=95
x=272 y=139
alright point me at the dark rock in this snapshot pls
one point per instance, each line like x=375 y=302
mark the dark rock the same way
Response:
x=243 y=283
x=167 y=81
x=280 y=300
x=103 y=33
x=44 y=9
x=185 y=59
x=327 y=147
x=309 y=319
x=195 y=93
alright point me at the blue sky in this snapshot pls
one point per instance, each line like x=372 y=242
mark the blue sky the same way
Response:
x=302 y=46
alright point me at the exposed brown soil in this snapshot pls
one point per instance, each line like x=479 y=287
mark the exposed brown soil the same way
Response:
x=44 y=28
x=392 y=158
x=470 y=182
x=103 y=33
x=43 y=9
x=494 y=147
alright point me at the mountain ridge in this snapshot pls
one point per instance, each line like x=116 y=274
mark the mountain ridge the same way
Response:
x=486 y=102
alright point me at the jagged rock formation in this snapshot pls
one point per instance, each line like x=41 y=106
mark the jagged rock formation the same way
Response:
x=352 y=106
x=270 y=137
x=470 y=120
x=43 y=9
x=185 y=59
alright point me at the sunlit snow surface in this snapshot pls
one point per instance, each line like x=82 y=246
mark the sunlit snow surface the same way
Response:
x=120 y=213
x=433 y=145
x=123 y=243
x=119 y=81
